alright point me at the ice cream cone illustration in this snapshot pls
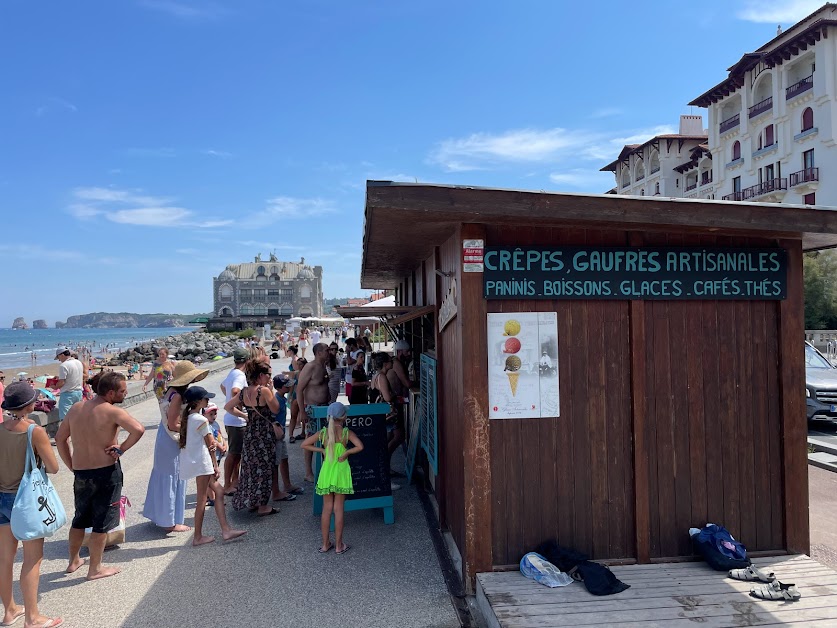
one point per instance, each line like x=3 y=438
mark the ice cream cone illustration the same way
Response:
x=513 y=377
x=513 y=364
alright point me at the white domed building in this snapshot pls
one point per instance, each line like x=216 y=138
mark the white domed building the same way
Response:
x=264 y=292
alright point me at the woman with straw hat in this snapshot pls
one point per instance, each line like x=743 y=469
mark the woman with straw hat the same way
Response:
x=19 y=401
x=165 y=501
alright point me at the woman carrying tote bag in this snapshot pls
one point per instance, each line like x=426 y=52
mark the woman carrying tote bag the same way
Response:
x=19 y=401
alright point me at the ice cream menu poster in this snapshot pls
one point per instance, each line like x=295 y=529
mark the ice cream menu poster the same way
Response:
x=523 y=365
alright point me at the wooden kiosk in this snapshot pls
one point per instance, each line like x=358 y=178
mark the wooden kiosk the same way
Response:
x=675 y=409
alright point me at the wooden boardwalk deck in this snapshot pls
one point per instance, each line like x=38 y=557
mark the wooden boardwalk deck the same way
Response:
x=671 y=594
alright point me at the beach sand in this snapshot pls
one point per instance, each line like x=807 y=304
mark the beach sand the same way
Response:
x=51 y=370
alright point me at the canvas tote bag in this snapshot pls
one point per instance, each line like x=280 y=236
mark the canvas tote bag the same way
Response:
x=37 y=512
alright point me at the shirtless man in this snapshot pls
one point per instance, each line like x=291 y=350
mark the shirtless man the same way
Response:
x=312 y=390
x=94 y=458
x=399 y=385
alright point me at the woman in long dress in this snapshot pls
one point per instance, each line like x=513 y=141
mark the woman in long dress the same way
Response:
x=258 y=453
x=165 y=501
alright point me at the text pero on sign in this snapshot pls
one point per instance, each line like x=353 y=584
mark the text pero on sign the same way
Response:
x=659 y=273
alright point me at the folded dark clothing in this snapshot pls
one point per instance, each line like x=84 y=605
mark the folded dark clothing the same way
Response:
x=598 y=579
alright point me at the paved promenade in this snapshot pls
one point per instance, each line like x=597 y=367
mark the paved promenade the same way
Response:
x=272 y=577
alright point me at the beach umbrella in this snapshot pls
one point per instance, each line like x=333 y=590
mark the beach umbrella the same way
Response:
x=41 y=379
x=46 y=393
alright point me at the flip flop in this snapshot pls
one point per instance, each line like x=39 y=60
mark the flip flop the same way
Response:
x=14 y=620
x=346 y=548
x=776 y=591
x=750 y=574
x=53 y=622
x=287 y=498
x=272 y=511
x=297 y=491
x=324 y=551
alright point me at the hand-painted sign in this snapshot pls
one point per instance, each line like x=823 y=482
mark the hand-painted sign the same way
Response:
x=664 y=273
x=448 y=309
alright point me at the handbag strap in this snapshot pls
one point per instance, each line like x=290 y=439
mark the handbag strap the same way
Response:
x=30 y=451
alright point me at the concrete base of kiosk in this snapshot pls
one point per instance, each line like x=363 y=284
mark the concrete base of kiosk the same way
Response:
x=375 y=413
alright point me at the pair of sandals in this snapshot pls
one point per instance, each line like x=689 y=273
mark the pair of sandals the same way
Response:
x=772 y=589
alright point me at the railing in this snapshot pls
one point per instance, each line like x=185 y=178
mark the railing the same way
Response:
x=803 y=176
x=760 y=107
x=655 y=169
x=706 y=178
x=640 y=177
x=730 y=123
x=691 y=186
x=801 y=86
x=759 y=189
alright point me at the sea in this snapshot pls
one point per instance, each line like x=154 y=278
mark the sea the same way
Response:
x=17 y=345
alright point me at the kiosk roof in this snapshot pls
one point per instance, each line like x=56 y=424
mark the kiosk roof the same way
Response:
x=430 y=212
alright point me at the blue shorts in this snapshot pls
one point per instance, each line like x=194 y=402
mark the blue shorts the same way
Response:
x=7 y=500
x=67 y=400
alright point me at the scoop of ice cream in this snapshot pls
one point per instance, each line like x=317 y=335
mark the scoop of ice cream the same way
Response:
x=513 y=363
x=512 y=345
x=511 y=328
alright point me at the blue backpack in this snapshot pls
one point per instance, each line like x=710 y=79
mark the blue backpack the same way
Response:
x=720 y=549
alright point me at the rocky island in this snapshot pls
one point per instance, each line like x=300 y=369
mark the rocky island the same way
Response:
x=39 y=324
x=20 y=323
x=125 y=320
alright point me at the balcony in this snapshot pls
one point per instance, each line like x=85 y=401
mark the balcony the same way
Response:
x=798 y=88
x=691 y=186
x=761 y=107
x=805 y=176
x=730 y=123
x=706 y=178
x=640 y=177
x=760 y=189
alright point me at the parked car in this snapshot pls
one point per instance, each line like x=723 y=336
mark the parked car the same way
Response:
x=820 y=386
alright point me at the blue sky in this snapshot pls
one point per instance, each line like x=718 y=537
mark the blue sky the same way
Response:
x=145 y=144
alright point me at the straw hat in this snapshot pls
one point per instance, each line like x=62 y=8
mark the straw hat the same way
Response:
x=186 y=373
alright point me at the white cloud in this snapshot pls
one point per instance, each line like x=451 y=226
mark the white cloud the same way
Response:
x=484 y=151
x=132 y=207
x=606 y=112
x=269 y=246
x=587 y=180
x=18 y=252
x=289 y=207
x=186 y=10
x=55 y=104
x=777 y=11
x=217 y=153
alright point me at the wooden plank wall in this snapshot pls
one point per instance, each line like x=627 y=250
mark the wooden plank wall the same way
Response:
x=712 y=423
x=712 y=416
x=451 y=461
x=569 y=477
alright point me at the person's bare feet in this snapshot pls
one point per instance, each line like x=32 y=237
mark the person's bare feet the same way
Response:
x=309 y=478
x=42 y=621
x=103 y=572
x=229 y=535
x=178 y=528
x=202 y=540
x=74 y=565
x=11 y=615
x=230 y=490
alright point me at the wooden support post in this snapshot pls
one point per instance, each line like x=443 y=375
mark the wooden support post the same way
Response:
x=638 y=350
x=794 y=424
x=471 y=320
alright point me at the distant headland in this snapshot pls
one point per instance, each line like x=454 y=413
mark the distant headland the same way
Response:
x=108 y=320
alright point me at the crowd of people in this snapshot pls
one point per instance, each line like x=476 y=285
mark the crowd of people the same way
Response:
x=252 y=448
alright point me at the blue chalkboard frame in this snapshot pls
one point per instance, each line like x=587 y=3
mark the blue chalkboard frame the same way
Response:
x=386 y=503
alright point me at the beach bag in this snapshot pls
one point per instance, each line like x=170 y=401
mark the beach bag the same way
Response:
x=536 y=567
x=117 y=535
x=37 y=512
x=719 y=548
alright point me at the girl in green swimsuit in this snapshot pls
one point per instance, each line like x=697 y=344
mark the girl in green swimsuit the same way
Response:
x=335 y=479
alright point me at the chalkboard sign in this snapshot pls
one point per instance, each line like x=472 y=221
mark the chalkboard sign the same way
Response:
x=660 y=273
x=370 y=467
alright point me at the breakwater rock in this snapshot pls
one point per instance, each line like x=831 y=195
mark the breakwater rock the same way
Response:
x=188 y=346
x=20 y=323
